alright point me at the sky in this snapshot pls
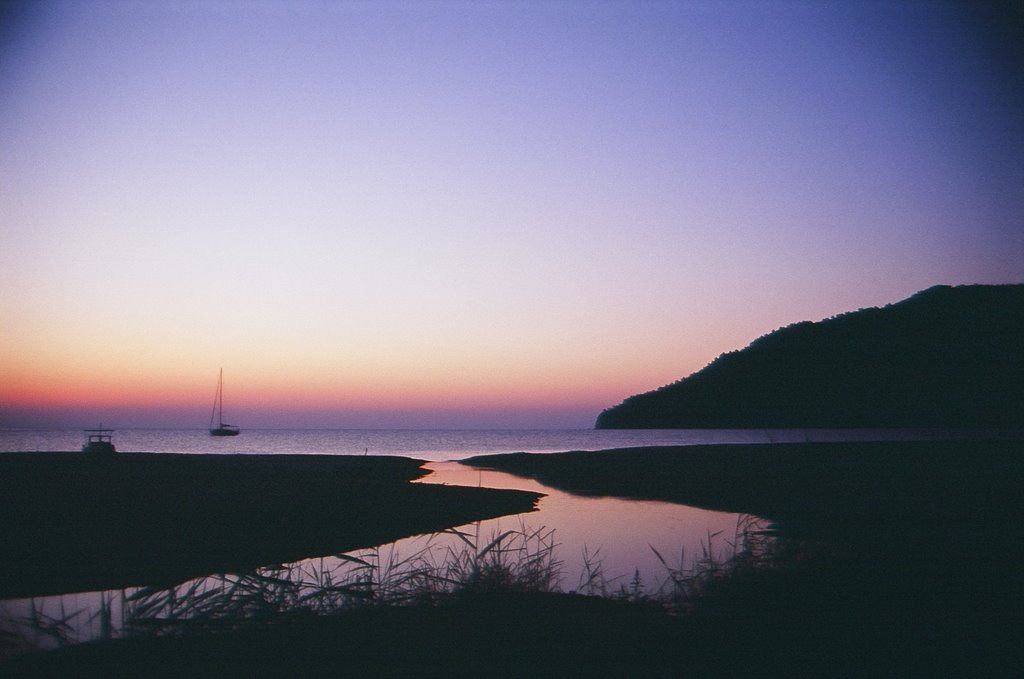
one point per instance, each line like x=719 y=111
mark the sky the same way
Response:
x=475 y=214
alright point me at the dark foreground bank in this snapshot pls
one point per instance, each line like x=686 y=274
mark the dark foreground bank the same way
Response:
x=898 y=560
x=73 y=523
x=904 y=558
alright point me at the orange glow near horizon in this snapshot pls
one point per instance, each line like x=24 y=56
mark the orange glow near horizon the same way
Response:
x=288 y=372
x=294 y=389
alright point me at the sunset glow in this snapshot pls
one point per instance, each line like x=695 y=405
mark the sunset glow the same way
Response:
x=473 y=214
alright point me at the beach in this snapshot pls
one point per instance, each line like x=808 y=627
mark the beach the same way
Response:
x=889 y=559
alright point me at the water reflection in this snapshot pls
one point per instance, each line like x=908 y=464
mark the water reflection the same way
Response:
x=43 y=623
x=621 y=532
x=571 y=543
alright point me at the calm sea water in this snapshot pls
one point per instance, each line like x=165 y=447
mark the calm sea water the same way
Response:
x=435 y=445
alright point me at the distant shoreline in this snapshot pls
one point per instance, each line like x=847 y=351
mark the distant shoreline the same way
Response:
x=944 y=356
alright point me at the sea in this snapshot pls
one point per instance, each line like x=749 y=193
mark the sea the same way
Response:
x=438 y=445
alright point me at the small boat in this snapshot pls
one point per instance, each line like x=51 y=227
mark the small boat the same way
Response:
x=98 y=442
x=221 y=429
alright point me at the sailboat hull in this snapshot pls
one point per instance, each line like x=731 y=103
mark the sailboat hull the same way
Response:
x=224 y=430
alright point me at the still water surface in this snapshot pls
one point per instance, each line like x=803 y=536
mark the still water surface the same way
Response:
x=435 y=445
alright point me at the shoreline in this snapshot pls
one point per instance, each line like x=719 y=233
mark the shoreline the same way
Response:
x=813 y=487
x=75 y=523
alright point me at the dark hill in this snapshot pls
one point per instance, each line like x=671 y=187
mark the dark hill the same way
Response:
x=945 y=357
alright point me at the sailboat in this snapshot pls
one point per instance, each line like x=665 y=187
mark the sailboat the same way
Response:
x=218 y=413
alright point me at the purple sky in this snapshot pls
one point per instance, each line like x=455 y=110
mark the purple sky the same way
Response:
x=475 y=213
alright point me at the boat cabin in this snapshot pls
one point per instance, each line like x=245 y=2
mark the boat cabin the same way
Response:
x=98 y=442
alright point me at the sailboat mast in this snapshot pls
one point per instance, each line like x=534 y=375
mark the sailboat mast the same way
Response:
x=220 y=399
x=216 y=413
